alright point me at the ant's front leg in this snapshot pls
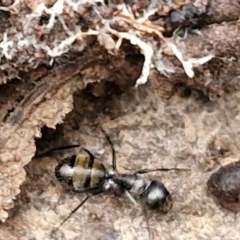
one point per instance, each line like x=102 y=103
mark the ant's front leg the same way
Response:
x=131 y=198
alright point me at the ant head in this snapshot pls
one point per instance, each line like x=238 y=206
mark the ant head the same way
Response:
x=157 y=197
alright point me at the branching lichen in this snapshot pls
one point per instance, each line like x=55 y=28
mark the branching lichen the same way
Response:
x=134 y=26
x=41 y=32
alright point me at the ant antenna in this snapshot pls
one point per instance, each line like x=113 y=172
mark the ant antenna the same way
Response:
x=178 y=187
x=114 y=166
x=143 y=171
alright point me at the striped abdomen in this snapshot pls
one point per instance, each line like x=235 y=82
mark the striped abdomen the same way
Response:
x=80 y=172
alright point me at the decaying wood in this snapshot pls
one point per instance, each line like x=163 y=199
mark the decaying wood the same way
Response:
x=78 y=65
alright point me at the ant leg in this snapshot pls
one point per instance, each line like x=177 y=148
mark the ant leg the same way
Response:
x=92 y=190
x=114 y=166
x=74 y=210
x=89 y=153
x=143 y=171
x=131 y=198
x=179 y=186
x=66 y=147
x=145 y=214
x=48 y=152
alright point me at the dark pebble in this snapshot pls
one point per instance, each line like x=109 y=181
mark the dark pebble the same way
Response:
x=224 y=186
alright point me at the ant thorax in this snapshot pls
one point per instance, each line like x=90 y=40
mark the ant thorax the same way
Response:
x=133 y=183
x=109 y=184
x=139 y=185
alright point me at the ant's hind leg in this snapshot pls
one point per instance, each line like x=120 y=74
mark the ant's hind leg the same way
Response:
x=114 y=166
x=75 y=209
x=89 y=153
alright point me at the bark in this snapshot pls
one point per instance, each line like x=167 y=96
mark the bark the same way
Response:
x=80 y=72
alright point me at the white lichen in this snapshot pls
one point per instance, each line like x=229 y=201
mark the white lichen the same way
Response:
x=139 y=34
x=146 y=50
x=5 y=46
x=190 y=63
